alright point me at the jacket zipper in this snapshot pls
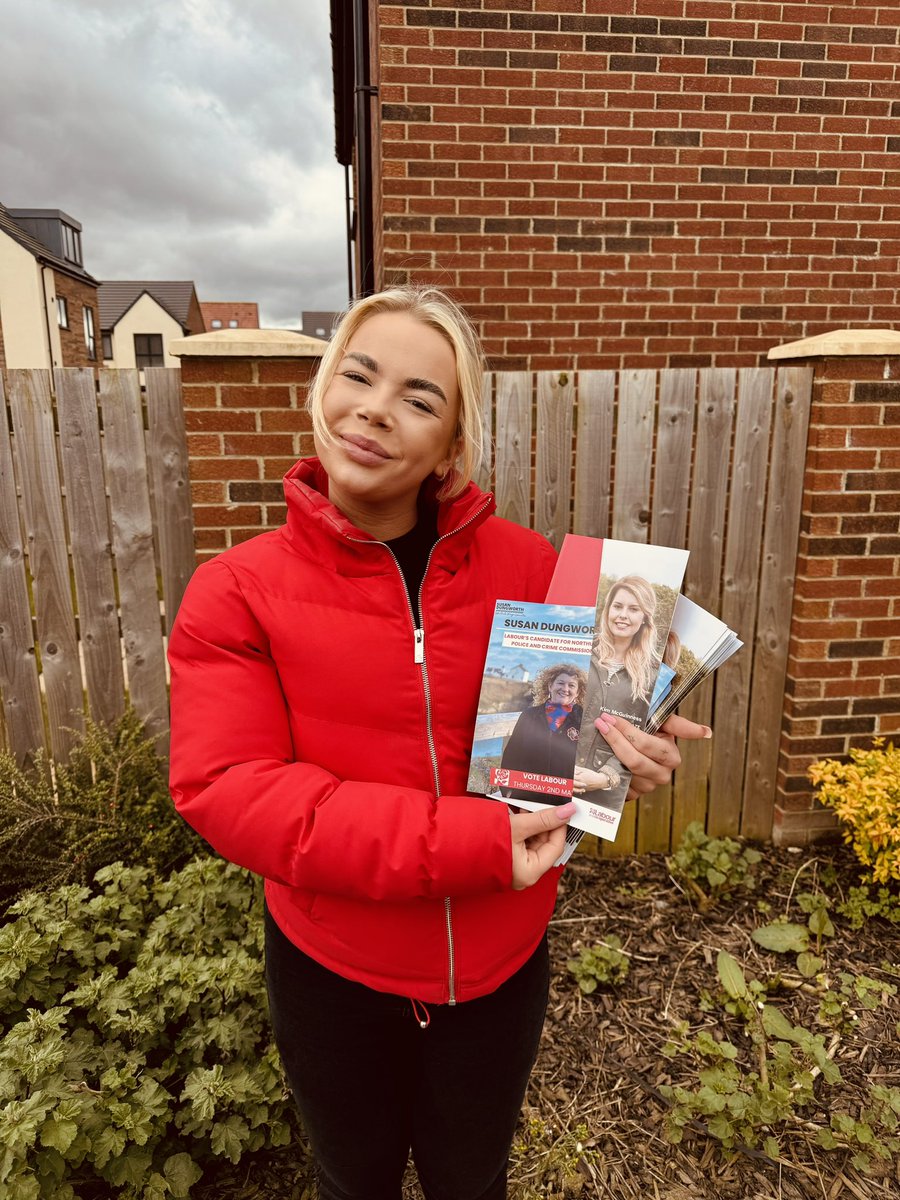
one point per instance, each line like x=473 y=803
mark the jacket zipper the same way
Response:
x=419 y=659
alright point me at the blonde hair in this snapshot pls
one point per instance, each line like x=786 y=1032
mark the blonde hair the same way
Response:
x=435 y=309
x=540 y=688
x=640 y=659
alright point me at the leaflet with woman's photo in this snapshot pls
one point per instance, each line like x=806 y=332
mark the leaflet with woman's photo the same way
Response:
x=531 y=703
x=697 y=643
x=636 y=597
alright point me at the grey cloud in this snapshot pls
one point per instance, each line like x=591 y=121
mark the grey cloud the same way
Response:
x=192 y=140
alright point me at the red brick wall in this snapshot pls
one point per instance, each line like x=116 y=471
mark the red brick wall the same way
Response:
x=245 y=313
x=843 y=683
x=246 y=424
x=686 y=186
x=78 y=296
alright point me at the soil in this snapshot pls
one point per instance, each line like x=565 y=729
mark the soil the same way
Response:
x=601 y=1064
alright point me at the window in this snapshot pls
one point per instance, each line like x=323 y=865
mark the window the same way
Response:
x=89 y=339
x=107 y=345
x=216 y=323
x=71 y=243
x=232 y=324
x=62 y=312
x=148 y=350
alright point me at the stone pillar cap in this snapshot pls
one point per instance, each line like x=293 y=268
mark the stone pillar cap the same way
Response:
x=839 y=343
x=248 y=343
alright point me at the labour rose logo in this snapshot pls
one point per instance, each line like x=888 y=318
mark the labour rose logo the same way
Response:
x=572 y=735
x=501 y=777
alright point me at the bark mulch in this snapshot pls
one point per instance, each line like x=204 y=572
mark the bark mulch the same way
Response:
x=594 y=1120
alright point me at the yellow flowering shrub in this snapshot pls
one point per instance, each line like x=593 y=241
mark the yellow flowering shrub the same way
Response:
x=865 y=795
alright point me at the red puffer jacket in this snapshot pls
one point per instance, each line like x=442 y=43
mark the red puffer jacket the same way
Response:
x=321 y=741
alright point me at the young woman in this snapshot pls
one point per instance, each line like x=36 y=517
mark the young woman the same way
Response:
x=623 y=668
x=325 y=679
x=544 y=736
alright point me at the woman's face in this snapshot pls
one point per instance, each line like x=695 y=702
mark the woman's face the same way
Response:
x=625 y=615
x=393 y=410
x=564 y=689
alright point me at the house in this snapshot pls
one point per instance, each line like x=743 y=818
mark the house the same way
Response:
x=49 y=314
x=617 y=185
x=318 y=324
x=229 y=314
x=139 y=317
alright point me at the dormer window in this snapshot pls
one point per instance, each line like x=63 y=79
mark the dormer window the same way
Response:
x=71 y=243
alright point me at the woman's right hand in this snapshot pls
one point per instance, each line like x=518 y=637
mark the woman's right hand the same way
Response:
x=538 y=839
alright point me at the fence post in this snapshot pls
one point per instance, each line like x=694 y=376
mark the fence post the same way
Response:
x=244 y=395
x=843 y=682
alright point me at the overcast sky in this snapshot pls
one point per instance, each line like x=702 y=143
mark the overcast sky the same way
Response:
x=192 y=139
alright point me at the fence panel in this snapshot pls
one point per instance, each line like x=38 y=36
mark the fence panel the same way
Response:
x=513 y=446
x=553 y=457
x=593 y=478
x=132 y=539
x=776 y=591
x=78 y=563
x=668 y=527
x=633 y=456
x=45 y=537
x=706 y=538
x=79 y=444
x=170 y=484
x=23 y=720
x=739 y=594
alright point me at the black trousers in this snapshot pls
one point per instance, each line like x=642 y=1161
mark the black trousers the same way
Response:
x=372 y=1084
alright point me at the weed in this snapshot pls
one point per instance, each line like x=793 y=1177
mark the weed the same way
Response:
x=604 y=962
x=712 y=868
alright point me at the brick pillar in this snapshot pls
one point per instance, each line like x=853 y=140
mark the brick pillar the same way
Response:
x=843 y=677
x=244 y=407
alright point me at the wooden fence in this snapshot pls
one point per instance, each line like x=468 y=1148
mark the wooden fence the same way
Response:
x=711 y=460
x=96 y=546
x=96 y=543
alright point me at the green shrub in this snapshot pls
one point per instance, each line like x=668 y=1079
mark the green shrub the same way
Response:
x=61 y=822
x=865 y=794
x=136 y=1043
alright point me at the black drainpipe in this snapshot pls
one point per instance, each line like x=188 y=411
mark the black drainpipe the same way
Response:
x=363 y=91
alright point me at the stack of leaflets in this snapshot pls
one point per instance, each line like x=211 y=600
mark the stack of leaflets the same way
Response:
x=614 y=636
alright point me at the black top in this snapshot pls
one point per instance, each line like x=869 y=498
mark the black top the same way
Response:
x=411 y=551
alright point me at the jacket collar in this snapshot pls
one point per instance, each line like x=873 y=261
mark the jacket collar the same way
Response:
x=314 y=526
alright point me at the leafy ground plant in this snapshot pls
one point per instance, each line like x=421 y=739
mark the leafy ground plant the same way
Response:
x=603 y=963
x=712 y=868
x=754 y=1087
x=136 y=1048
x=551 y=1162
x=62 y=822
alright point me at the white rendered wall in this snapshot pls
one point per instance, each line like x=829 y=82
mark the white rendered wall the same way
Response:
x=22 y=308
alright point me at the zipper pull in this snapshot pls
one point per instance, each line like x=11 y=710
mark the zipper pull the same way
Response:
x=419 y=654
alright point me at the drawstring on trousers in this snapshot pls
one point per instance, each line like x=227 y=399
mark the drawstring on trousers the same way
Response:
x=421 y=1013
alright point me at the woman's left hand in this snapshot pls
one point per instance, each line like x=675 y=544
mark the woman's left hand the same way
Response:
x=650 y=757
